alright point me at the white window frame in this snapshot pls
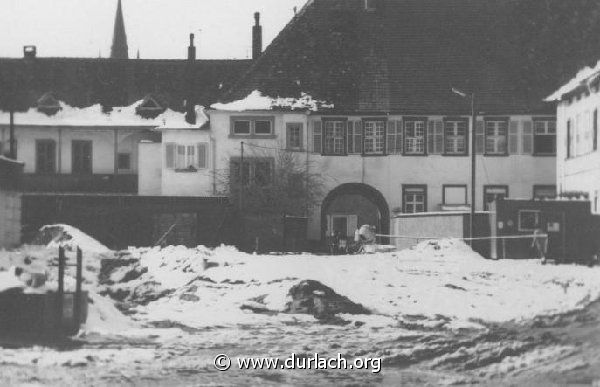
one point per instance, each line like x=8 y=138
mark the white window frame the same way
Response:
x=496 y=139
x=409 y=198
x=462 y=187
x=334 y=139
x=452 y=138
x=544 y=128
x=537 y=216
x=415 y=136
x=294 y=141
x=374 y=137
x=252 y=120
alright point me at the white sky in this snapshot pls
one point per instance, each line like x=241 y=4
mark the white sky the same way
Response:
x=158 y=28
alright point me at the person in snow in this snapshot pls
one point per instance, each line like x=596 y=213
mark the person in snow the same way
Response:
x=540 y=244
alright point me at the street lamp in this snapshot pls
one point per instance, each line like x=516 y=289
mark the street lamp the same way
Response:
x=473 y=157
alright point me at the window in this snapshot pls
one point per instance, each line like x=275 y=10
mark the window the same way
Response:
x=186 y=157
x=48 y=104
x=241 y=127
x=262 y=127
x=394 y=137
x=257 y=171
x=491 y=193
x=294 y=135
x=81 y=156
x=124 y=161
x=455 y=137
x=544 y=191
x=414 y=198
x=370 y=5
x=335 y=140
x=150 y=107
x=374 y=137
x=45 y=156
x=414 y=137
x=544 y=142
x=252 y=126
x=529 y=220
x=495 y=136
x=454 y=195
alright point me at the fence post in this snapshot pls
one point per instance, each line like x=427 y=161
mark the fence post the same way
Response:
x=61 y=285
x=79 y=280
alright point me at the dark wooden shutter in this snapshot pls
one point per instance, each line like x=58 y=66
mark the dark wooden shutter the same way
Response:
x=438 y=142
x=288 y=136
x=595 y=126
x=399 y=137
x=527 y=140
x=430 y=138
x=170 y=155
x=350 y=136
x=391 y=137
x=358 y=137
x=480 y=137
x=513 y=137
x=318 y=137
x=202 y=155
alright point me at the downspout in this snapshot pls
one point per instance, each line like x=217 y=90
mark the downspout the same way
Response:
x=60 y=150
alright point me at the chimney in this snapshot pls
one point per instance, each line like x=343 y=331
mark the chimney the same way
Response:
x=29 y=52
x=190 y=103
x=256 y=37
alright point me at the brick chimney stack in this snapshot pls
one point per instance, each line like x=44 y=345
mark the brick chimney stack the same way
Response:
x=256 y=37
x=190 y=112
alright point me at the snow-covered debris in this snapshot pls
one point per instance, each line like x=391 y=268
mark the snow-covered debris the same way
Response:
x=257 y=101
x=94 y=116
x=56 y=235
x=584 y=77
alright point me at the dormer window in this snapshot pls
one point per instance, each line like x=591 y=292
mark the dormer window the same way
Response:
x=370 y=5
x=151 y=107
x=48 y=104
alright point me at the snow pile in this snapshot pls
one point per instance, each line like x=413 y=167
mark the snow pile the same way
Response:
x=257 y=101
x=70 y=238
x=583 y=77
x=104 y=317
x=94 y=116
x=438 y=283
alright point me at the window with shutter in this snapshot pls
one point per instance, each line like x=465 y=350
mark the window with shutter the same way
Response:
x=45 y=156
x=317 y=137
x=391 y=138
x=544 y=140
x=455 y=137
x=374 y=137
x=399 y=137
x=513 y=137
x=496 y=133
x=438 y=133
x=415 y=136
x=350 y=137
x=430 y=138
x=358 y=133
x=334 y=137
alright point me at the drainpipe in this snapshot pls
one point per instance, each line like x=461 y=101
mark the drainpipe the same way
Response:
x=13 y=145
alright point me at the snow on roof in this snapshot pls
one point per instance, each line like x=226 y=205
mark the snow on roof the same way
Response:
x=9 y=160
x=583 y=78
x=257 y=101
x=201 y=121
x=94 y=116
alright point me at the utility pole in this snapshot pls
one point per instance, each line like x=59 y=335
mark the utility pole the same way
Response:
x=13 y=144
x=473 y=165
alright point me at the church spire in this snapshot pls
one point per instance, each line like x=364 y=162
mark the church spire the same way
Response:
x=119 y=46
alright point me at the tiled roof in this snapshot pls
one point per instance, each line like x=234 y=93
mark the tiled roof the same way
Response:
x=82 y=82
x=405 y=56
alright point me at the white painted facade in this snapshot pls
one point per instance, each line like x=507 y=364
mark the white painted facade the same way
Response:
x=107 y=142
x=579 y=168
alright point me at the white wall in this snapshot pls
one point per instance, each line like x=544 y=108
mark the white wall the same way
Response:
x=103 y=144
x=388 y=173
x=580 y=172
x=150 y=170
x=198 y=183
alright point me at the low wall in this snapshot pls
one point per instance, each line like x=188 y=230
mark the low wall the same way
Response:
x=10 y=218
x=410 y=229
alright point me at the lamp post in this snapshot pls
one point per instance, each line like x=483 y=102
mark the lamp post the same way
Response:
x=473 y=157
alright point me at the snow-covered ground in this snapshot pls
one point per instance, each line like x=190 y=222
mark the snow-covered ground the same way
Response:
x=433 y=304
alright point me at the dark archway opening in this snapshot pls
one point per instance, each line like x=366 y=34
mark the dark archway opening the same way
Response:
x=353 y=204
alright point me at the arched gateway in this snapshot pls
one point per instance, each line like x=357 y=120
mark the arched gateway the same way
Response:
x=350 y=205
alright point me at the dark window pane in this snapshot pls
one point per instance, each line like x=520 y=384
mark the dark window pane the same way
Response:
x=262 y=127
x=241 y=127
x=82 y=157
x=124 y=161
